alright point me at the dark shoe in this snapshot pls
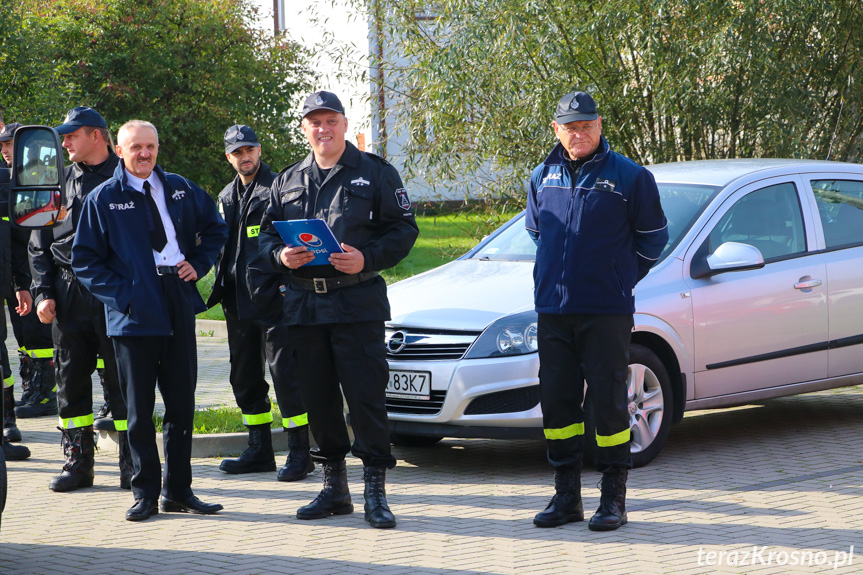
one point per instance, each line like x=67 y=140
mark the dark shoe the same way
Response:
x=14 y=452
x=190 y=504
x=142 y=509
x=10 y=427
x=299 y=463
x=24 y=370
x=377 y=512
x=44 y=381
x=334 y=498
x=258 y=456
x=612 y=502
x=79 y=447
x=126 y=469
x=565 y=507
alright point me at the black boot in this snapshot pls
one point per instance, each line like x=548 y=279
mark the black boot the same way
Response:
x=10 y=427
x=126 y=469
x=258 y=456
x=14 y=452
x=334 y=498
x=565 y=507
x=44 y=398
x=103 y=420
x=24 y=370
x=612 y=502
x=299 y=463
x=79 y=447
x=377 y=512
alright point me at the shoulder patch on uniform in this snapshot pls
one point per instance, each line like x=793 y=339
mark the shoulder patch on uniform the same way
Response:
x=403 y=199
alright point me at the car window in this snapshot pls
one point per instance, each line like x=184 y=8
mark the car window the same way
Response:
x=682 y=204
x=512 y=244
x=769 y=219
x=840 y=206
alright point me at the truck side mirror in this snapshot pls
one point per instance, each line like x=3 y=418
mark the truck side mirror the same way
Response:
x=36 y=198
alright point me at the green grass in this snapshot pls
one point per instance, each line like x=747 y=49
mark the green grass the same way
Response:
x=443 y=238
x=221 y=419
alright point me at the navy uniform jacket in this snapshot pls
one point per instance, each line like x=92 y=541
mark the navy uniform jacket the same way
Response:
x=367 y=207
x=51 y=250
x=257 y=285
x=112 y=257
x=598 y=232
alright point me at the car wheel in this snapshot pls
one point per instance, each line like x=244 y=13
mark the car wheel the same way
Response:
x=650 y=408
x=405 y=440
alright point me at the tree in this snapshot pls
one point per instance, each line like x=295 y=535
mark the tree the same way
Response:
x=475 y=82
x=192 y=67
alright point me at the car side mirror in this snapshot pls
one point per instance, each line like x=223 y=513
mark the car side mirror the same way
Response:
x=729 y=257
x=36 y=198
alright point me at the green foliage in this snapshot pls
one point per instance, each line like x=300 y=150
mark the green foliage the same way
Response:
x=192 y=67
x=475 y=82
x=221 y=419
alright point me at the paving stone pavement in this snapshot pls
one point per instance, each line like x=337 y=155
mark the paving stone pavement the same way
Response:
x=784 y=477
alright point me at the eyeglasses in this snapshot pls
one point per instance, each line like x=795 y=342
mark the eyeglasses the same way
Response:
x=580 y=130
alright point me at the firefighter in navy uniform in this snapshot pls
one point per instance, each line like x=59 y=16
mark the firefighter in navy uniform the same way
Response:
x=337 y=312
x=143 y=240
x=76 y=317
x=249 y=292
x=599 y=227
x=35 y=348
x=14 y=277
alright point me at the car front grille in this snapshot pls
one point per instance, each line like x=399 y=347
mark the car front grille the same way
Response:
x=406 y=344
x=417 y=406
x=509 y=401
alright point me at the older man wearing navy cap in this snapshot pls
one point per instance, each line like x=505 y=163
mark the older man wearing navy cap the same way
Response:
x=599 y=227
x=336 y=311
x=249 y=291
x=77 y=318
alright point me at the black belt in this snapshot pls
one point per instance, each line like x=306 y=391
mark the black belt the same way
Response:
x=167 y=271
x=323 y=285
x=67 y=275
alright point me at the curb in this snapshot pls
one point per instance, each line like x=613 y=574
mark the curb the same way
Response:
x=203 y=445
x=211 y=328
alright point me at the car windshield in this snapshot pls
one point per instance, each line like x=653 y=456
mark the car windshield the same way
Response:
x=682 y=204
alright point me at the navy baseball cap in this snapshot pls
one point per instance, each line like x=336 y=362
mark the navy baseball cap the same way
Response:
x=9 y=131
x=575 y=107
x=322 y=101
x=80 y=117
x=240 y=135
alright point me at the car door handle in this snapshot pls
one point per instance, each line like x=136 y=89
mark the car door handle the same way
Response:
x=807 y=284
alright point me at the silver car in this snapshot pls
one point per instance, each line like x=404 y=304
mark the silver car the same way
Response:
x=758 y=294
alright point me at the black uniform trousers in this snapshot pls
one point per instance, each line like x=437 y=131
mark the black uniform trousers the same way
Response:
x=354 y=355
x=171 y=363
x=30 y=333
x=79 y=338
x=579 y=348
x=249 y=343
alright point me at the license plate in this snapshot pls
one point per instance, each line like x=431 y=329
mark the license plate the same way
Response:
x=409 y=385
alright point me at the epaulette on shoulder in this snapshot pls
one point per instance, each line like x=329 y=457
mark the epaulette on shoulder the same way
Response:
x=378 y=158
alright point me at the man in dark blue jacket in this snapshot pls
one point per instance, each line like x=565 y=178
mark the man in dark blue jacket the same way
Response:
x=599 y=227
x=249 y=291
x=144 y=238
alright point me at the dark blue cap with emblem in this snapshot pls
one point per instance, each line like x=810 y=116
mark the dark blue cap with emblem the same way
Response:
x=9 y=131
x=80 y=117
x=238 y=136
x=575 y=107
x=322 y=101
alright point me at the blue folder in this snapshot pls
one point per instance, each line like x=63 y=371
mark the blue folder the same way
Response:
x=314 y=234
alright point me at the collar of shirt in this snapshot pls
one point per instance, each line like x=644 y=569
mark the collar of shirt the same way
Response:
x=170 y=254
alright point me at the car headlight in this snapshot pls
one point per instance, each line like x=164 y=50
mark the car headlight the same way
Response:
x=510 y=335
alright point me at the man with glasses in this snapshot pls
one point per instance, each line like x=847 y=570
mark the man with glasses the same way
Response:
x=599 y=227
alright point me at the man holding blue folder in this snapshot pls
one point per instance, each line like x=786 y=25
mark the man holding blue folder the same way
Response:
x=337 y=311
